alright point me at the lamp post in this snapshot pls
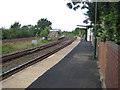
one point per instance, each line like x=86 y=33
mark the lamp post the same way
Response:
x=95 y=30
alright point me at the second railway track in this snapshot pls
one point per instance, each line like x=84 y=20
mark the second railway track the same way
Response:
x=17 y=64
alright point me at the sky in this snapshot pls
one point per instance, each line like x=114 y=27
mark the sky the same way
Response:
x=30 y=11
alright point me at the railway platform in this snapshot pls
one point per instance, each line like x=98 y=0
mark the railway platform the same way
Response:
x=71 y=67
x=76 y=70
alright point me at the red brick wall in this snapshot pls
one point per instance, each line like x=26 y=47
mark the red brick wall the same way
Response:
x=112 y=63
x=92 y=40
x=109 y=58
x=102 y=50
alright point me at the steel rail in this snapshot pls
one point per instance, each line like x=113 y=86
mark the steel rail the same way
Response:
x=33 y=61
x=28 y=51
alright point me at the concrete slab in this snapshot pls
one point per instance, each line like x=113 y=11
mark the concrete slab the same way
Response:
x=25 y=77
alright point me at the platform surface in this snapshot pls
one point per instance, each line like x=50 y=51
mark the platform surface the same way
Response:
x=78 y=69
x=27 y=76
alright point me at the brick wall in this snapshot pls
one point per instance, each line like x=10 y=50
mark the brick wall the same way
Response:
x=92 y=40
x=102 y=50
x=108 y=54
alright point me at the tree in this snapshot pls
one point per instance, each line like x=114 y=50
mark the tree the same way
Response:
x=15 y=25
x=16 y=31
x=76 y=31
x=27 y=31
x=45 y=32
x=43 y=23
x=108 y=27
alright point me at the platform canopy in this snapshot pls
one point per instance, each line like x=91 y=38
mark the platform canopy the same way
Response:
x=85 y=26
x=55 y=30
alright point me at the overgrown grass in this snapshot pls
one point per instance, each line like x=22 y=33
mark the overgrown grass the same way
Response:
x=9 y=47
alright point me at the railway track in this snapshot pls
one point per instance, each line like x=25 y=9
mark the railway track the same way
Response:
x=8 y=57
x=14 y=65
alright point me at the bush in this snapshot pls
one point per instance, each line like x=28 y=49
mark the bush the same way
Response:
x=45 y=32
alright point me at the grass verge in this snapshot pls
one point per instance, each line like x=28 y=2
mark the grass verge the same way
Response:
x=10 y=47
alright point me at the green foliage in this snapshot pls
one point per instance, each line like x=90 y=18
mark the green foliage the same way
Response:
x=66 y=33
x=45 y=32
x=43 y=23
x=9 y=47
x=27 y=31
x=76 y=31
x=109 y=23
x=108 y=27
x=16 y=31
x=60 y=32
x=107 y=20
x=15 y=25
